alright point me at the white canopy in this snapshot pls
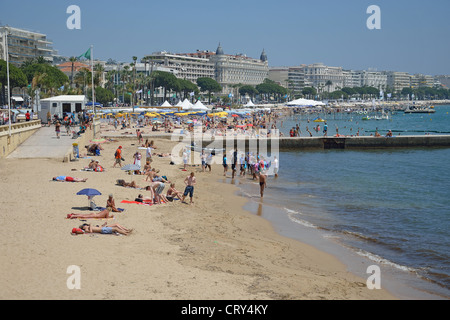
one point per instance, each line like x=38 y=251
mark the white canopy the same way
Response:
x=179 y=104
x=305 y=103
x=249 y=104
x=186 y=105
x=199 y=106
x=166 y=104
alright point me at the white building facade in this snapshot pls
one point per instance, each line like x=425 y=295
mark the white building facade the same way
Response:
x=238 y=69
x=24 y=45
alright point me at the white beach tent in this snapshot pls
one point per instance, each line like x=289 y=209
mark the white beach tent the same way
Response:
x=249 y=104
x=179 y=104
x=199 y=106
x=305 y=103
x=186 y=105
x=166 y=104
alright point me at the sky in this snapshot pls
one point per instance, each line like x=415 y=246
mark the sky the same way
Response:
x=414 y=35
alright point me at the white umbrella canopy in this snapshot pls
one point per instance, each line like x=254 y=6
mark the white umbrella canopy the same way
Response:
x=199 y=106
x=166 y=104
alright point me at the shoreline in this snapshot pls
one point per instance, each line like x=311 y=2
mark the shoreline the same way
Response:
x=210 y=250
x=403 y=284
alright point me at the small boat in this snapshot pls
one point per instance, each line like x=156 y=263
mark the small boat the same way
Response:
x=414 y=109
x=318 y=120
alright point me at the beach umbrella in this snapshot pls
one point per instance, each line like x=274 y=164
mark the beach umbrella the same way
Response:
x=99 y=140
x=90 y=193
x=131 y=167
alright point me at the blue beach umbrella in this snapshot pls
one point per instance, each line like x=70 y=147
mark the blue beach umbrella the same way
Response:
x=90 y=193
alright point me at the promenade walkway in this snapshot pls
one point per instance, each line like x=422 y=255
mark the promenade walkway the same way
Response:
x=44 y=144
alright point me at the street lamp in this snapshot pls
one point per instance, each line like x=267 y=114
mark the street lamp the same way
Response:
x=7 y=76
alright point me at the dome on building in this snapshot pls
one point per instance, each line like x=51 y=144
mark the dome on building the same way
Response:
x=219 y=50
x=263 y=56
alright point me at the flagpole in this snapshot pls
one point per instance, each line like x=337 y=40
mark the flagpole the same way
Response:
x=93 y=91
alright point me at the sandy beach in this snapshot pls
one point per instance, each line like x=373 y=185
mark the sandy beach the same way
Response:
x=210 y=250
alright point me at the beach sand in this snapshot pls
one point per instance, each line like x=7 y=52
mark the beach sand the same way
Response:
x=210 y=250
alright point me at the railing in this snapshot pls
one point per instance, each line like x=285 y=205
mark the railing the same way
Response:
x=19 y=127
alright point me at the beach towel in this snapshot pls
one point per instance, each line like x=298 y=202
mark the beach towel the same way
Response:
x=149 y=203
x=101 y=209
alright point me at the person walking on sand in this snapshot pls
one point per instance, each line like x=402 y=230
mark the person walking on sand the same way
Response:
x=234 y=164
x=190 y=182
x=118 y=157
x=209 y=160
x=225 y=165
x=262 y=183
x=57 y=128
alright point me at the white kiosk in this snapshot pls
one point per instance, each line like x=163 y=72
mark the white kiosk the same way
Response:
x=62 y=104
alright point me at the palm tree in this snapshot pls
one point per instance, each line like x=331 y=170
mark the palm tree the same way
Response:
x=328 y=84
x=134 y=80
x=98 y=69
x=72 y=60
x=81 y=79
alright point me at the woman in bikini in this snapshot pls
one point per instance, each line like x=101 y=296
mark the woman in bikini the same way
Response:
x=105 y=229
x=105 y=214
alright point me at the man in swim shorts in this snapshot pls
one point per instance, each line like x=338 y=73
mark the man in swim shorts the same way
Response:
x=190 y=182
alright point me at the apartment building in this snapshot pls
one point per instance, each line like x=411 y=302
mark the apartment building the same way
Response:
x=24 y=45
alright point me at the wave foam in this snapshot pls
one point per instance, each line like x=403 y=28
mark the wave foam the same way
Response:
x=291 y=214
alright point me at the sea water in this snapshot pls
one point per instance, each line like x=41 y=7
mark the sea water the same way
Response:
x=350 y=124
x=391 y=206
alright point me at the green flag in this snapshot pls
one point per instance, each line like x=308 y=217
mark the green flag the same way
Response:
x=87 y=54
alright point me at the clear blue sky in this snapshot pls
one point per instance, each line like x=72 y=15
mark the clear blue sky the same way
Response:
x=414 y=35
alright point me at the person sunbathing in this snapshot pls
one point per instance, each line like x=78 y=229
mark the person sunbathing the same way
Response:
x=122 y=183
x=69 y=179
x=105 y=229
x=141 y=198
x=105 y=214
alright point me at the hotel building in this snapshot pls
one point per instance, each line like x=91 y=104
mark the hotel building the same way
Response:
x=238 y=69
